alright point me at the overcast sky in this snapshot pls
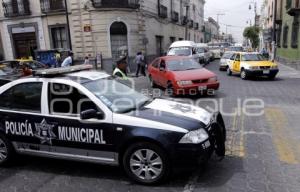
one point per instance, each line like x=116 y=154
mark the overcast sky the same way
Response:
x=236 y=12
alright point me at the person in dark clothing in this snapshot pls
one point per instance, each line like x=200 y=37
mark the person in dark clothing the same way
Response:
x=140 y=61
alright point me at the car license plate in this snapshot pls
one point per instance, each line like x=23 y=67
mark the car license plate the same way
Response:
x=266 y=72
x=204 y=87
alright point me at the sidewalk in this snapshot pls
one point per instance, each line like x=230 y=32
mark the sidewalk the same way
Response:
x=287 y=72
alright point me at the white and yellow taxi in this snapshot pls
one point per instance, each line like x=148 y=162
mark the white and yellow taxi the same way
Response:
x=251 y=65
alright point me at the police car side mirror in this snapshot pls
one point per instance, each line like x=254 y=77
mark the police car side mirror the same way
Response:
x=91 y=114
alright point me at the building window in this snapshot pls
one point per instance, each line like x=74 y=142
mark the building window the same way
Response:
x=159 y=45
x=295 y=32
x=172 y=39
x=59 y=37
x=285 y=36
x=278 y=36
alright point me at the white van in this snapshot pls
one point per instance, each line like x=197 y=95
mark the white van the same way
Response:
x=184 y=48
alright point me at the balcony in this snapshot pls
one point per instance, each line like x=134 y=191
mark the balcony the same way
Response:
x=49 y=6
x=163 y=11
x=196 y=26
x=191 y=24
x=293 y=7
x=175 y=16
x=15 y=8
x=130 y=4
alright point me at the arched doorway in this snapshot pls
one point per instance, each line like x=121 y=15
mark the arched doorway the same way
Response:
x=118 y=40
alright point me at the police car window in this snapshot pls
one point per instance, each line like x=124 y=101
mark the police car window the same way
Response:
x=23 y=97
x=68 y=101
x=116 y=96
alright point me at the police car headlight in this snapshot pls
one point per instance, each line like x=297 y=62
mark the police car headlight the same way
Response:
x=181 y=83
x=194 y=137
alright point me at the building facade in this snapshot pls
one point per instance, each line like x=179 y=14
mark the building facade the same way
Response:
x=212 y=31
x=109 y=28
x=288 y=33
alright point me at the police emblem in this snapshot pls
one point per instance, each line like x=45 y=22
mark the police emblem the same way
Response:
x=44 y=132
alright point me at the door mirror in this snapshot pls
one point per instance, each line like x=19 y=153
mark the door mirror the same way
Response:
x=91 y=114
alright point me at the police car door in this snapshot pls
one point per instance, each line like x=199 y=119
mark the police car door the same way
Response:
x=89 y=138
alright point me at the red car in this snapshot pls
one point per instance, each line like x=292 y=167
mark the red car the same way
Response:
x=181 y=76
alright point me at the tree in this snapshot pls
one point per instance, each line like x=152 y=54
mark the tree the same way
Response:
x=252 y=33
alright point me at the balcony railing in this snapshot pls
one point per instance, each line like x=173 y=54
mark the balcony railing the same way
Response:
x=175 y=16
x=163 y=11
x=184 y=20
x=131 y=4
x=15 y=8
x=48 y=6
x=293 y=7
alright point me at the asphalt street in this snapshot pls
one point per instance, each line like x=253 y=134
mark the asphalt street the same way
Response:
x=263 y=146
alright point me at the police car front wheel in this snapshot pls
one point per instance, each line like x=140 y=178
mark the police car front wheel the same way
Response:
x=146 y=163
x=6 y=150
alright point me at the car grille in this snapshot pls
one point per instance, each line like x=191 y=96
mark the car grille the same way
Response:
x=264 y=67
x=200 y=81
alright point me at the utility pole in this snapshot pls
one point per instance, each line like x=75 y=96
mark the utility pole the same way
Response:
x=274 y=31
x=68 y=25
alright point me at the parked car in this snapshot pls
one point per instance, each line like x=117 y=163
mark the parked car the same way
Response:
x=94 y=118
x=184 y=48
x=14 y=69
x=202 y=50
x=251 y=65
x=181 y=76
x=225 y=60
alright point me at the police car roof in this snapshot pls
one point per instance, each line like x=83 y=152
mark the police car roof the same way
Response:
x=79 y=71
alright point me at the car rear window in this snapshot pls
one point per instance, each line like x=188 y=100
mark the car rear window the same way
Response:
x=180 y=51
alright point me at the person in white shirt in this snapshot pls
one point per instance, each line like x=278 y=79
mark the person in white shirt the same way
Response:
x=68 y=61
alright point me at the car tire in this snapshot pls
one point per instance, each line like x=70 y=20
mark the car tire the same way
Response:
x=271 y=77
x=170 y=89
x=229 y=72
x=6 y=151
x=244 y=74
x=146 y=163
x=152 y=83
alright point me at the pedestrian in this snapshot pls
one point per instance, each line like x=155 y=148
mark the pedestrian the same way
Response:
x=140 y=62
x=86 y=60
x=68 y=61
x=57 y=59
x=120 y=70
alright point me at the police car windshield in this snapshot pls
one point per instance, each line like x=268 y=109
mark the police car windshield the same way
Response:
x=116 y=96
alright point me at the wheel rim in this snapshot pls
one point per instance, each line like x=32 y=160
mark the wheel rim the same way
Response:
x=170 y=90
x=146 y=164
x=3 y=151
x=243 y=74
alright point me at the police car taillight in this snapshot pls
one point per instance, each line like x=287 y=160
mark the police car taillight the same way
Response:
x=60 y=71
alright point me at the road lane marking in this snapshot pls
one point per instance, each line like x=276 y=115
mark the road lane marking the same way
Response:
x=283 y=143
x=242 y=147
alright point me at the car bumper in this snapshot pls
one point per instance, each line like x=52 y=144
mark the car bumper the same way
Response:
x=223 y=66
x=256 y=73
x=187 y=155
x=197 y=88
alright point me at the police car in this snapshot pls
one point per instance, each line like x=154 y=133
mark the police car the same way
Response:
x=79 y=114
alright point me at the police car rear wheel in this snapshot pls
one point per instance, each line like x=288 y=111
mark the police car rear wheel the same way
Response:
x=146 y=163
x=6 y=150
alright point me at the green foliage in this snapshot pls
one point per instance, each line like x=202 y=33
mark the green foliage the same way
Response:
x=252 y=33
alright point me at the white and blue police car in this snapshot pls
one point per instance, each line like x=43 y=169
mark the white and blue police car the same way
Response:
x=85 y=115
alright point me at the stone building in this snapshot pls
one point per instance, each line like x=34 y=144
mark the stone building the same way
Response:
x=107 y=27
x=212 y=31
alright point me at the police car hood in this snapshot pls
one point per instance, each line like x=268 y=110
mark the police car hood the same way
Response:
x=168 y=115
